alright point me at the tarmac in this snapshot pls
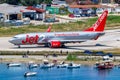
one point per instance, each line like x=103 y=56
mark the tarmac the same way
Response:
x=111 y=40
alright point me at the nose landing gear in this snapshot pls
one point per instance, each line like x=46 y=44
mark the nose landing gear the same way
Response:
x=19 y=46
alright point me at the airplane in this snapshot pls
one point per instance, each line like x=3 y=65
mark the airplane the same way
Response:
x=58 y=39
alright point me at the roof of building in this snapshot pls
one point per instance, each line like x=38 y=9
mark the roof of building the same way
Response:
x=36 y=9
x=10 y=9
x=27 y=10
x=88 y=6
x=13 y=9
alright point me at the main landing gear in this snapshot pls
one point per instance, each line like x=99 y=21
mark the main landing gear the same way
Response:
x=63 y=46
x=19 y=46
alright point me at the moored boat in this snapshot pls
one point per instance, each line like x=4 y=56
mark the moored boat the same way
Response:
x=14 y=64
x=107 y=64
x=28 y=74
x=46 y=64
x=72 y=65
x=33 y=65
x=62 y=65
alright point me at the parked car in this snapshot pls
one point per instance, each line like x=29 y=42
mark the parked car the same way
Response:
x=109 y=10
x=85 y=13
x=71 y=15
x=117 y=10
x=77 y=15
x=99 y=10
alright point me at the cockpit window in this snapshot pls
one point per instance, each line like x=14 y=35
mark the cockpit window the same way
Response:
x=15 y=37
x=41 y=37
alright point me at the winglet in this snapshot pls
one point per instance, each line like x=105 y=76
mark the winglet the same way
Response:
x=49 y=28
x=100 y=23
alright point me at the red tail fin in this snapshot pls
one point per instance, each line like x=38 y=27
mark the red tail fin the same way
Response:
x=49 y=28
x=100 y=23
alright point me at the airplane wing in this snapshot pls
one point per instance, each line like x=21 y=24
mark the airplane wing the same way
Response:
x=68 y=41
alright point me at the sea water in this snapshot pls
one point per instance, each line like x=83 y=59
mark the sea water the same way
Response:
x=82 y=73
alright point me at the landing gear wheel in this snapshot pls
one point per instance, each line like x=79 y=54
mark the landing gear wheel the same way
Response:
x=19 y=46
x=49 y=45
x=46 y=45
x=63 y=46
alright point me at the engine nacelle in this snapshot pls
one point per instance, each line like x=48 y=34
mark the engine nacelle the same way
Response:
x=55 y=44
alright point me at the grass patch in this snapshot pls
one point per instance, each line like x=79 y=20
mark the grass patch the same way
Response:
x=72 y=57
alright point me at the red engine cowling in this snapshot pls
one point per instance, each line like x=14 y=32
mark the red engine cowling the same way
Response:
x=55 y=44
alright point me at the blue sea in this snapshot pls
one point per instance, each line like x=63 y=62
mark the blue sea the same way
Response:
x=82 y=73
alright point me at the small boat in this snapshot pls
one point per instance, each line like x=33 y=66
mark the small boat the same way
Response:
x=28 y=74
x=14 y=64
x=62 y=65
x=46 y=64
x=33 y=65
x=71 y=66
x=107 y=64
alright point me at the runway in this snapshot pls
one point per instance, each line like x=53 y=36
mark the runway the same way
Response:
x=110 y=40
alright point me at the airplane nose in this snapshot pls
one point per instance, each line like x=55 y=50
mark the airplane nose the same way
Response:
x=11 y=40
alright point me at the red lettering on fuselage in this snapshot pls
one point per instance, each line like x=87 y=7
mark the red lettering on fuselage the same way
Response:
x=67 y=34
x=30 y=40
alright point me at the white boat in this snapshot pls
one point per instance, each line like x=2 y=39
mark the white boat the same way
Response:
x=106 y=64
x=14 y=64
x=27 y=74
x=71 y=65
x=33 y=65
x=46 y=64
x=62 y=65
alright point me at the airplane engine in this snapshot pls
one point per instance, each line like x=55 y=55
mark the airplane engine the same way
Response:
x=55 y=44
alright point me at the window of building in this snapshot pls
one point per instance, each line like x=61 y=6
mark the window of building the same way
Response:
x=117 y=1
x=106 y=1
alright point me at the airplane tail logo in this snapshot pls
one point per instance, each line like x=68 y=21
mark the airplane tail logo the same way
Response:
x=100 y=23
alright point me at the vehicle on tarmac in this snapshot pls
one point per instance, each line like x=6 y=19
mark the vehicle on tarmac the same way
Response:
x=58 y=39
